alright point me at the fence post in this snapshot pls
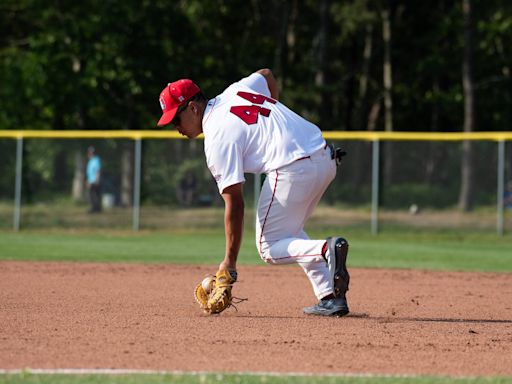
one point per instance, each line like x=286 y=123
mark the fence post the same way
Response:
x=136 y=184
x=17 y=184
x=501 y=187
x=375 y=187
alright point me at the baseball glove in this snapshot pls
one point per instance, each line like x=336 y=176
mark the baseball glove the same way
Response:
x=214 y=293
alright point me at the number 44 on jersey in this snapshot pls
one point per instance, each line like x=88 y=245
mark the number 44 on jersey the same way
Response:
x=249 y=113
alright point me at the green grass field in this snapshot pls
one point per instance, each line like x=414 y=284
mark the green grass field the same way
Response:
x=447 y=250
x=425 y=250
x=27 y=378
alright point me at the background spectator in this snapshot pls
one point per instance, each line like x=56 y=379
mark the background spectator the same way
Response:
x=93 y=174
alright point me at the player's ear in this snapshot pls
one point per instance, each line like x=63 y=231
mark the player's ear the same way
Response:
x=193 y=107
x=197 y=107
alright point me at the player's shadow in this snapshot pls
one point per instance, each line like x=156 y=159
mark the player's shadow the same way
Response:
x=393 y=319
x=250 y=316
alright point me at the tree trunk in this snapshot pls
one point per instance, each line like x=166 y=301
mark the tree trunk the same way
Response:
x=388 y=101
x=360 y=124
x=373 y=115
x=363 y=80
x=291 y=38
x=431 y=163
x=281 y=50
x=324 y=107
x=78 y=187
x=466 y=187
x=127 y=175
x=60 y=171
x=351 y=96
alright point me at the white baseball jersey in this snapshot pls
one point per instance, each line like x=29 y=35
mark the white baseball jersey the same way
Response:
x=246 y=131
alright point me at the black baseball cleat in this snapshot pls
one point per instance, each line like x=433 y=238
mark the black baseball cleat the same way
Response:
x=329 y=307
x=337 y=262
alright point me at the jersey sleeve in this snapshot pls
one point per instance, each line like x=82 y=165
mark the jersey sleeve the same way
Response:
x=256 y=82
x=226 y=165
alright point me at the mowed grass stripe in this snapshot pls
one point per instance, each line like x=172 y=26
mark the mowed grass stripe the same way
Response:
x=437 y=251
x=148 y=377
x=146 y=248
x=440 y=255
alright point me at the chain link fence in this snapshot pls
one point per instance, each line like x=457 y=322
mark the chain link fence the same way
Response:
x=163 y=183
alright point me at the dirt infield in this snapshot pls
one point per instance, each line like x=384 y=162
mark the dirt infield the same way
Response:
x=73 y=315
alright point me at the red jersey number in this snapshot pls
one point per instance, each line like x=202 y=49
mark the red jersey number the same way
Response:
x=250 y=113
x=256 y=98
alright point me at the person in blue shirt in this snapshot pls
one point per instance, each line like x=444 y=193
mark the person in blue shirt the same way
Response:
x=93 y=174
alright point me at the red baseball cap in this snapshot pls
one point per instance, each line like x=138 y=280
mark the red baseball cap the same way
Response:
x=174 y=96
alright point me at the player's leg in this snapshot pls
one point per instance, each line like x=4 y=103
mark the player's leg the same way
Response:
x=288 y=198
x=334 y=304
x=336 y=255
x=285 y=203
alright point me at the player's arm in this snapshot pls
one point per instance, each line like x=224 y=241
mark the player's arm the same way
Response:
x=271 y=82
x=233 y=224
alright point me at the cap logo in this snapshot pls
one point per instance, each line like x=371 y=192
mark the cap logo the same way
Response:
x=162 y=103
x=181 y=98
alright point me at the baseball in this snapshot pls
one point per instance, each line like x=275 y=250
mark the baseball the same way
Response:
x=208 y=283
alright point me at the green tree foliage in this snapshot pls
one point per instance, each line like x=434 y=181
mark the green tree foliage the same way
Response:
x=97 y=64
x=101 y=64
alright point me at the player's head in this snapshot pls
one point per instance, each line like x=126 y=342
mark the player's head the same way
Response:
x=174 y=97
x=182 y=104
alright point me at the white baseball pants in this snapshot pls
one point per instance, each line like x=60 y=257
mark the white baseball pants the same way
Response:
x=288 y=197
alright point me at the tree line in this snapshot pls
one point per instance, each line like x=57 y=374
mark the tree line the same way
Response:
x=391 y=65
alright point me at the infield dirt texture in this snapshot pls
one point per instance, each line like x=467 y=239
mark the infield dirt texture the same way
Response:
x=77 y=315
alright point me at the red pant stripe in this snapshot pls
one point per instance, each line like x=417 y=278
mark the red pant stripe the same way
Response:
x=268 y=210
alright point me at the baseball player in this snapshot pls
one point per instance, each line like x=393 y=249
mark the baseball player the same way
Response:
x=247 y=130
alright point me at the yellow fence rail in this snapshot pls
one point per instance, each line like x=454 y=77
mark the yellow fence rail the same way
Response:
x=330 y=135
